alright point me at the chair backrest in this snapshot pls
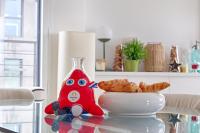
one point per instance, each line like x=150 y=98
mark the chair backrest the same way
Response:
x=183 y=102
x=15 y=96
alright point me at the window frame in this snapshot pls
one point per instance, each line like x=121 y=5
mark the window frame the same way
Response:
x=20 y=67
x=37 y=79
x=21 y=19
x=38 y=58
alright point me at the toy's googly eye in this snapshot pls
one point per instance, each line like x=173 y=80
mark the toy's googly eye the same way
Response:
x=70 y=82
x=82 y=82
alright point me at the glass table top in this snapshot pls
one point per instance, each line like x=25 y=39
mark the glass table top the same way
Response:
x=31 y=119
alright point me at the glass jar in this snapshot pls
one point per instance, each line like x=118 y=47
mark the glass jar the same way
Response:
x=195 y=58
x=77 y=63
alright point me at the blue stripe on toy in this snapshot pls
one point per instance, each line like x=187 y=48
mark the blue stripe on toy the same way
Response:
x=94 y=85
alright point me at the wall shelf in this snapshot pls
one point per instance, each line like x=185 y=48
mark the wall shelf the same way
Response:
x=180 y=83
x=146 y=74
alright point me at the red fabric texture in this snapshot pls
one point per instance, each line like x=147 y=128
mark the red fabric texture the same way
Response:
x=84 y=128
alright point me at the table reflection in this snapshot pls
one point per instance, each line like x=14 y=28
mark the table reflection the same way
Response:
x=180 y=123
x=111 y=124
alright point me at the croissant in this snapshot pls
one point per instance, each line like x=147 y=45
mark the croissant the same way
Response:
x=119 y=85
x=153 y=87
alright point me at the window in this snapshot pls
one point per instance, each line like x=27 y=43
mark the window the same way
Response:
x=12 y=126
x=19 y=43
x=13 y=18
x=13 y=72
x=19 y=55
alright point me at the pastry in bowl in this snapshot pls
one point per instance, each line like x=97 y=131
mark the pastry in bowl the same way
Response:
x=123 y=85
x=156 y=87
x=119 y=85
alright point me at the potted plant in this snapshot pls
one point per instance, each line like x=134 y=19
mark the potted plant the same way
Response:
x=133 y=52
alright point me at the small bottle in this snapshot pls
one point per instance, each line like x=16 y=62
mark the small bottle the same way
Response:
x=195 y=58
x=194 y=125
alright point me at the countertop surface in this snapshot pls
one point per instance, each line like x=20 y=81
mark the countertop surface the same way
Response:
x=30 y=118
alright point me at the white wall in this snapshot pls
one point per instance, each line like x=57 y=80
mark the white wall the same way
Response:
x=168 y=21
x=58 y=15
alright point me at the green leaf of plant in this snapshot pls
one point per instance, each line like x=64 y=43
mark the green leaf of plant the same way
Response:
x=134 y=50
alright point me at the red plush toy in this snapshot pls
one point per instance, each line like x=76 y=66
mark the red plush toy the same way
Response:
x=76 y=97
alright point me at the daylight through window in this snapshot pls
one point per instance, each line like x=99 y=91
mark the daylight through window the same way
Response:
x=19 y=43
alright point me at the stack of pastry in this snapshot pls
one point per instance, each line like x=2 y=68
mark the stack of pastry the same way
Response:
x=123 y=85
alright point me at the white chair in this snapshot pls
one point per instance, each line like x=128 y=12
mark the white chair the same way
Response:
x=183 y=103
x=19 y=99
x=19 y=96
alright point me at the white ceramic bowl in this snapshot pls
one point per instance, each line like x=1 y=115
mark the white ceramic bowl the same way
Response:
x=132 y=103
